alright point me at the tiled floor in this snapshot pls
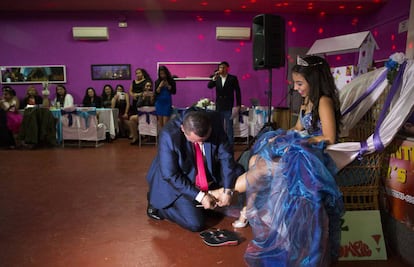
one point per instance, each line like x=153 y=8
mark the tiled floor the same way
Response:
x=86 y=207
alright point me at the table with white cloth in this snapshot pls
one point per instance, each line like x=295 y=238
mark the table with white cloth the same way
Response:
x=107 y=116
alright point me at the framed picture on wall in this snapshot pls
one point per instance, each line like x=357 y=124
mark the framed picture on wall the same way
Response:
x=33 y=74
x=111 y=71
x=190 y=71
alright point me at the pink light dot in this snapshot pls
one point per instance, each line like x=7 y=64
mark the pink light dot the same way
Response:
x=392 y=37
x=338 y=58
x=354 y=21
x=341 y=7
x=160 y=47
x=252 y=1
x=393 y=47
x=243 y=7
x=359 y=7
x=237 y=50
x=293 y=29
x=241 y=43
x=227 y=11
x=320 y=31
x=201 y=37
x=410 y=45
x=199 y=19
x=290 y=23
x=204 y=3
x=375 y=33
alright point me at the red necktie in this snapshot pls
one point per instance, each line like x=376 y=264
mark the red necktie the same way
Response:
x=201 y=178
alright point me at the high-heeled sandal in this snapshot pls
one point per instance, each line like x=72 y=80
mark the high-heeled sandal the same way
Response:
x=242 y=221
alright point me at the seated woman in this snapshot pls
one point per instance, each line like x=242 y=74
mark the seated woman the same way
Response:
x=107 y=94
x=10 y=104
x=31 y=98
x=293 y=203
x=145 y=99
x=91 y=99
x=121 y=102
x=62 y=99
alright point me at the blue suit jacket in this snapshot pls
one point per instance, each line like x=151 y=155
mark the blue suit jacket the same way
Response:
x=172 y=172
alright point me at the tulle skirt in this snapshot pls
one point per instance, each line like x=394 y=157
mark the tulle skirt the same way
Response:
x=295 y=209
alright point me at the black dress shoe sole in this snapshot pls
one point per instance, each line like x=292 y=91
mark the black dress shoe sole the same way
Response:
x=220 y=238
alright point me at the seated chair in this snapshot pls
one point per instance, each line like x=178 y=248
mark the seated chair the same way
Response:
x=81 y=124
x=147 y=123
x=258 y=117
x=241 y=127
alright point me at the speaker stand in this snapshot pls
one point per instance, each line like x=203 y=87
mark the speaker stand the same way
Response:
x=269 y=96
x=269 y=93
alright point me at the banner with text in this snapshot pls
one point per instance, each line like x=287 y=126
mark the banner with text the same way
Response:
x=399 y=183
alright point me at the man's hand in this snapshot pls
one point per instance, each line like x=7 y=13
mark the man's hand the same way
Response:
x=235 y=113
x=209 y=202
x=224 y=198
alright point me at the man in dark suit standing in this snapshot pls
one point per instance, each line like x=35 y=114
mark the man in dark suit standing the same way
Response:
x=226 y=86
x=174 y=190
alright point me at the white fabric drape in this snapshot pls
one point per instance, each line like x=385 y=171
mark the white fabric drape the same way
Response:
x=400 y=110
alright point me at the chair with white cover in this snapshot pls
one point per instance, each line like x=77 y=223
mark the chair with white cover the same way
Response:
x=81 y=124
x=147 y=123
x=241 y=126
x=258 y=117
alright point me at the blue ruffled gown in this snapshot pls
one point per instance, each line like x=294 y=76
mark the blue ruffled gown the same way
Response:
x=295 y=209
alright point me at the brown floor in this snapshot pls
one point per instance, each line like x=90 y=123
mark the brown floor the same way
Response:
x=86 y=207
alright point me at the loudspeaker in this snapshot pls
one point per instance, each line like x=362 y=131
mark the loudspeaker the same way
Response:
x=268 y=41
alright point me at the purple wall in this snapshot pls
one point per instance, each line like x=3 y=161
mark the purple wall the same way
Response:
x=45 y=39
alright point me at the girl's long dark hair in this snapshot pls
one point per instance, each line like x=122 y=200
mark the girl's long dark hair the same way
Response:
x=61 y=98
x=145 y=74
x=319 y=77
x=104 y=95
x=86 y=98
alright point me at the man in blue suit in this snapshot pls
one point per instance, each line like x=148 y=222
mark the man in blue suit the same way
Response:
x=173 y=193
x=227 y=86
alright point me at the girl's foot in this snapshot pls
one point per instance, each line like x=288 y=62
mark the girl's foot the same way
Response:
x=242 y=221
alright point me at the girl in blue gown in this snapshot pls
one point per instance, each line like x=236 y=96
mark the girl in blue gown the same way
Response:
x=293 y=203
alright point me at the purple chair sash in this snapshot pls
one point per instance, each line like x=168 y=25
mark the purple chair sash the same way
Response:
x=378 y=145
x=70 y=117
x=241 y=114
x=147 y=115
x=370 y=89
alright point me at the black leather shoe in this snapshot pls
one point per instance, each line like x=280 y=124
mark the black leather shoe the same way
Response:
x=153 y=213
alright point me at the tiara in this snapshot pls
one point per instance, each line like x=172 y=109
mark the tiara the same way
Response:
x=301 y=62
